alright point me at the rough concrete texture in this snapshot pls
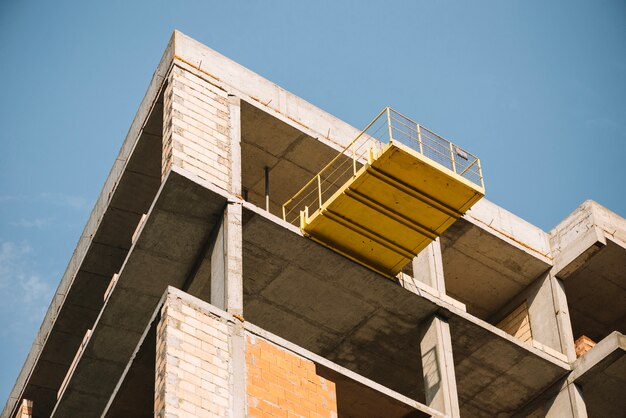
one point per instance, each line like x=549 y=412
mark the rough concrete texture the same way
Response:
x=601 y=373
x=193 y=367
x=438 y=366
x=174 y=233
x=483 y=269
x=323 y=302
x=590 y=258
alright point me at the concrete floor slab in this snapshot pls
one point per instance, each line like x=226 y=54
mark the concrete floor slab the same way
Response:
x=497 y=374
x=175 y=231
x=601 y=372
x=596 y=293
x=370 y=324
x=485 y=270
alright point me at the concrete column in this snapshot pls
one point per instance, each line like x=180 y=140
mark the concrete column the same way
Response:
x=542 y=313
x=428 y=267
x=566 y=335
x=226 y=262
x=234 y=112
x=438 y=366
x=567 y=403
x=227 y=294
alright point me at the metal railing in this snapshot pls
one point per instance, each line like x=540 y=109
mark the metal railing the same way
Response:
x=387 y=125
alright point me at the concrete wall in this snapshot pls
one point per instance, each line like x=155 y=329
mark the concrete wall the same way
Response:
x=193 y=363
x=281 y=383
x=196 y=133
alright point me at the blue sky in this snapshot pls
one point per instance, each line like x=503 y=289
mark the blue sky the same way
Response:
x=536 y=89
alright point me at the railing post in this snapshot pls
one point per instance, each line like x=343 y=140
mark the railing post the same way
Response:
x=480 y=173
x=419 y=138
x=353 y=161
x=452 y=157
x=389 y=123
x=284 y=214
x=319 y=188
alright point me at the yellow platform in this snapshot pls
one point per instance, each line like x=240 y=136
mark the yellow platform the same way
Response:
x=391 y=208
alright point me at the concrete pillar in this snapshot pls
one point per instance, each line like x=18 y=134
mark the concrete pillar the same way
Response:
x=438 y=366
x=226 y=262
x=428 y=267
x=227 y=294
x=234 y=112
x=567 y=403
x=542 y=313
x=566 y=335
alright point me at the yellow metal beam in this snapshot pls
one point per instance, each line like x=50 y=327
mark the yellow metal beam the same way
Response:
x=414 y=193
x=409 y=223
x=366 y=232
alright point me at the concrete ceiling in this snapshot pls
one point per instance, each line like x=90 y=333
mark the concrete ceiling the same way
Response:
x=172 y=238
x=135 y=395
x=483 y=271
x=601 y=372
x=495 y=375
x=596 y=294
x=360 y=320
x=293 y=158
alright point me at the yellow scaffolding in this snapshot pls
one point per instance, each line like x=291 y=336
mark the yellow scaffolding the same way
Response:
x=396 y=187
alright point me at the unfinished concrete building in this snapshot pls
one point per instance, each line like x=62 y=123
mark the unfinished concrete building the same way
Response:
x=195 y=291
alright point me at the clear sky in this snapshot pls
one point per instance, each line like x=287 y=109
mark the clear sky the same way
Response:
x=536 y=89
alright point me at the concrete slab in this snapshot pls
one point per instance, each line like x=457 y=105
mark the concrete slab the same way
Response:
x=497 y=374
x=175 y=230
x=484 y=267
x=369 y=324
x=590 y=258
x=601 y=373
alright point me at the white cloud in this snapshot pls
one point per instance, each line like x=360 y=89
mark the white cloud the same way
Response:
x=59 y=199
x=37 y=223
x=24 y=294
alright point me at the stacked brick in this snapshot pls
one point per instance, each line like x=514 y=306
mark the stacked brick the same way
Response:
x=196 y=128
x=192 y=362
x=283 y=384
x=517 y=323
x=583 y=344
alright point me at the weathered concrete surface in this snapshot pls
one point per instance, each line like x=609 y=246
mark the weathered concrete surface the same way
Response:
x=491 y=255
x=601 y=372
x=590 y=258
x=170 y=241
x=321 y=301
x=438 y=365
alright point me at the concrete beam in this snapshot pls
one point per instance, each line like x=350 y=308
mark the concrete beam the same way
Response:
x=438 y=366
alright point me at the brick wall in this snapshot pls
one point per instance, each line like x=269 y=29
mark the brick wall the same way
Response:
x=517 y=323
x=193 y=365
x=196 y=128
x=283 y=384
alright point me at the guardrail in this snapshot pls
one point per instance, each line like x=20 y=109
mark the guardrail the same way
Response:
x=387 y=125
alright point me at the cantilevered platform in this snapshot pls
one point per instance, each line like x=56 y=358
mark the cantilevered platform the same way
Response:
x=392 y=191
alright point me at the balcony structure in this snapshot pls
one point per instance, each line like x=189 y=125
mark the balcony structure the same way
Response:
x=392 y=191
x=189 y=294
